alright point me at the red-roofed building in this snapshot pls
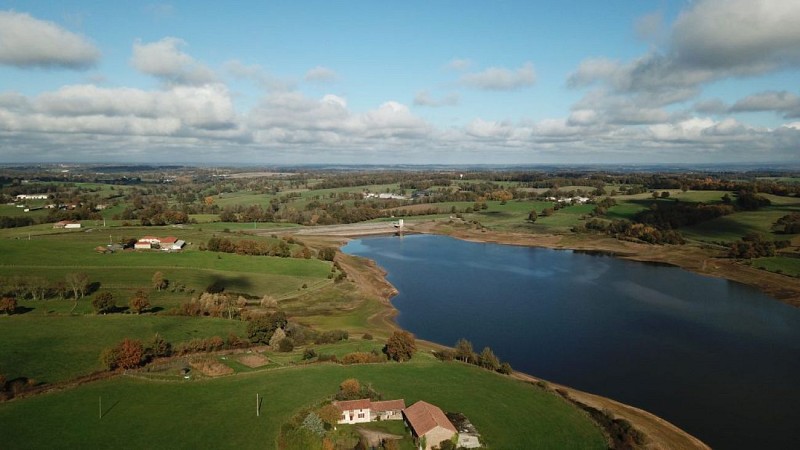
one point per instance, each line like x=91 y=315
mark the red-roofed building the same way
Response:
x=388 y=409
x=354 y=411
x=429 y=424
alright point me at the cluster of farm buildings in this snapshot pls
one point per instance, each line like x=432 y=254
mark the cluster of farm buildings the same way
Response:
x=428 y=424
x=166 y=244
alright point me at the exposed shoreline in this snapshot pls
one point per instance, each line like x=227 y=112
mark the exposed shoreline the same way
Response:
x=702 y=260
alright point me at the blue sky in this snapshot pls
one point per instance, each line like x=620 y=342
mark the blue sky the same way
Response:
x=400 y=82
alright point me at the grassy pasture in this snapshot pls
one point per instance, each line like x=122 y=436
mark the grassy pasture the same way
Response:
x=194 y=414
x=57 y=348
x=779 y=264
x=732 y=227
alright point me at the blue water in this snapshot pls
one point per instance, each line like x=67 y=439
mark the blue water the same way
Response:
x=718 y=359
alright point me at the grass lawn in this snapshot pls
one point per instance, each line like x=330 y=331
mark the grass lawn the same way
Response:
x=732 y=227
x=220 y=413
x=57 y=348
x=779 y=264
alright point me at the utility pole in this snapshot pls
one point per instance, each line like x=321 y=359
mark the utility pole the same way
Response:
x=258 y=410
x=101 y=406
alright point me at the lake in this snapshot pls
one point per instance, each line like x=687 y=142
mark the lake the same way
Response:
x=719 y=359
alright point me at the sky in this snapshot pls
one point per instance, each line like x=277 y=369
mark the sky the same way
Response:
x=412 y=82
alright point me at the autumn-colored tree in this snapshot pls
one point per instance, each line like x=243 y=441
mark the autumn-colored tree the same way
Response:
x=400 y=346
x=130 y=354
x=140 y=301
x=350 y=389
x=8 y=305
x=159 y=282
x=103 y=302
x=329 y=414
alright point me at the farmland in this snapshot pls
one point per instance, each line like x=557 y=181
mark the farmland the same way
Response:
x=59 y=338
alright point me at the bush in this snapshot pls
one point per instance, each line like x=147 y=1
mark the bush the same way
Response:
x=331 y=337
x=362 y=358
x=327 y=254
x=367 y=337
x=309 y=353
x=128 y=354
x=260 y=329
x=286 y=345
x=103 y=303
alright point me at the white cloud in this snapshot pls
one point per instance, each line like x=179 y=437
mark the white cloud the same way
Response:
x=782 y=102
x=583 y=117
x=291 y=117
x=710 y=40
x=738 y=36
x=320 y=74
x=711 y=106
x=164 y=60
x=259 y=75
x=29 y=42
x=87 y=109
x=501 y=79
x=423 y=98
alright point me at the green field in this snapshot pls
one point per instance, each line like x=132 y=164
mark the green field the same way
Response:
x=779 y=264
x=220 y=413
x=58 y=348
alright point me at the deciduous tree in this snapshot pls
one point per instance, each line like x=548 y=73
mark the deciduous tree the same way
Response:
x=78 y=282
x=349 y=389
x=103 y=302
x=329 y=414
x=8 y=305
x=140 y=301
x=130 y=354
x=464 y=351
x=400 y=346
x=159 y=282
x=488 y=359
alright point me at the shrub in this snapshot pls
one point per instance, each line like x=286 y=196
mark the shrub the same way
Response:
x=367 y=337
x=325 y=357
x=103 y=303
x=8 y=305
x=327 y=253
x=330 y=337
x=362 y=358
x=309 y=353
x=128 y=354
x=158 y=348
x=286 y=345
